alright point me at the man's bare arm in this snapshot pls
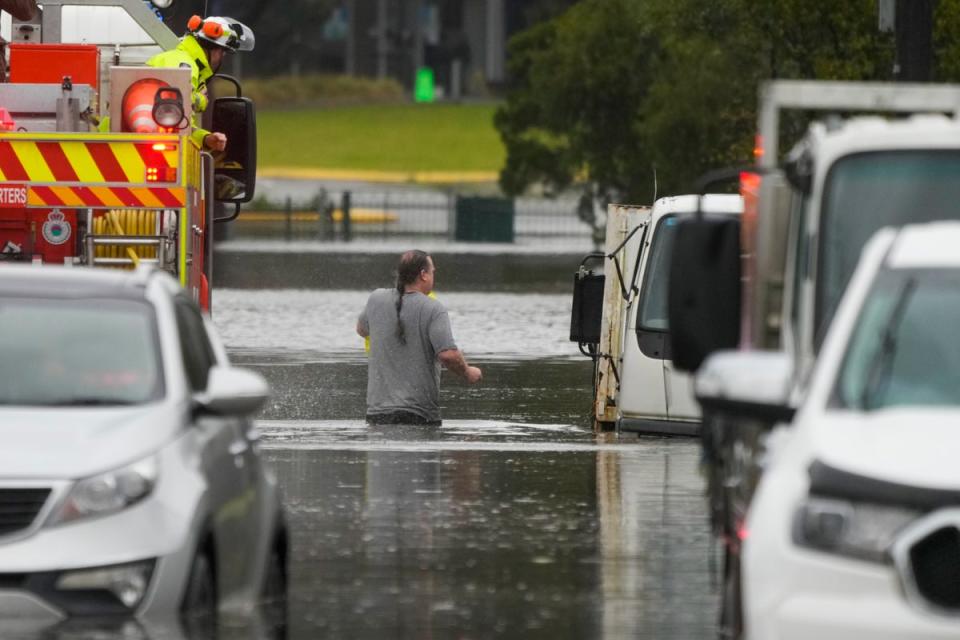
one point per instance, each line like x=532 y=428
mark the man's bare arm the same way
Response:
x=454 y=361
x=361 y=331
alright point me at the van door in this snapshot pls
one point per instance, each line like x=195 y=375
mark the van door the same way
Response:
x=681 y=403
x=642 y=390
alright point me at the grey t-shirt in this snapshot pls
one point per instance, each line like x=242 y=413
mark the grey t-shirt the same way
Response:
x=405 y=376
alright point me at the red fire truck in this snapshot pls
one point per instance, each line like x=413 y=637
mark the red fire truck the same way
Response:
x=142 y=192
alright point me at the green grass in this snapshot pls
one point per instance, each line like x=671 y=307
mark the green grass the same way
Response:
x=402 y=137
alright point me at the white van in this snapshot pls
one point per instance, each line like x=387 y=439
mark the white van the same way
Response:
x=637 y=388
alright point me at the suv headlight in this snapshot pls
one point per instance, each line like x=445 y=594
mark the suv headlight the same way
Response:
x=108 y=492
x=855 y=529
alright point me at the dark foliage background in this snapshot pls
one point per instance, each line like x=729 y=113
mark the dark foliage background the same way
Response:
x=611 y=91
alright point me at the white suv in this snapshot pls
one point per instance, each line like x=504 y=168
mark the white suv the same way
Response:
x=130 y=479
x=854 y=531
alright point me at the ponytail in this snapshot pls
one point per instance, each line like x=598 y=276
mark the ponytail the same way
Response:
x=401 y=336
x=411 y=264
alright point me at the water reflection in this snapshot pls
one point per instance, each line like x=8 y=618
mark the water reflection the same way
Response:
x=444 y=533
x=656 y=563
x=252 y=625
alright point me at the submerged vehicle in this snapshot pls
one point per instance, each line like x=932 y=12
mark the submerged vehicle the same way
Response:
x=131 y=483
x=637 y=387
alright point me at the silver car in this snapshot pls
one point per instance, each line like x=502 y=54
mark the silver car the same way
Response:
x=130 y=479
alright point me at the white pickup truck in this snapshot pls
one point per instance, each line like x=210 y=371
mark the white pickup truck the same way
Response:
x=854 y=526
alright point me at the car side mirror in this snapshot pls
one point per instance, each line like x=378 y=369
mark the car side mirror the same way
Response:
x=747 y=385
x=235 y=173
x=233 y=391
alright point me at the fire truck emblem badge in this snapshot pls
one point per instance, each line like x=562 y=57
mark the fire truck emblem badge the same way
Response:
x=56 y=230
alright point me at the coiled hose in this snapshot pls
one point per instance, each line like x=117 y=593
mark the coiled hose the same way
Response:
x=126 y=222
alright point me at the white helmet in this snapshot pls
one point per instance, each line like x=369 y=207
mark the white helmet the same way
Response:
x=225 y=33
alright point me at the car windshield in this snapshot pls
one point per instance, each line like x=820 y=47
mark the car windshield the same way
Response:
x=78 y=353
x=904 y=351
x=869 y=191
x=652 y=314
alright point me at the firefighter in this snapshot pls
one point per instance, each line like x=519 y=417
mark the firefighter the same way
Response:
x=202 y=50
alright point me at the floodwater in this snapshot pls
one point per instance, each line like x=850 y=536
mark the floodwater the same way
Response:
x=511 y=520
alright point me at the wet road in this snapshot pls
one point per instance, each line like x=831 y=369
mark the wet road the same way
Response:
x=511 y=520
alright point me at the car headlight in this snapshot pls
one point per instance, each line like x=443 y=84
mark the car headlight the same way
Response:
x=108 y=492
x=855 y=529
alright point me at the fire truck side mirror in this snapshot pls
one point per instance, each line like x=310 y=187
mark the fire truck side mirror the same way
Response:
x=235 y=173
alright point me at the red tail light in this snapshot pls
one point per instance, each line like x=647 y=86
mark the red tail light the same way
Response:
x=6 y=121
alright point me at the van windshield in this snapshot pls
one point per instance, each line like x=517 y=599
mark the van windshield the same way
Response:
x=78 y=353
x=869 y=191
x=652 y=314
x=904 y=349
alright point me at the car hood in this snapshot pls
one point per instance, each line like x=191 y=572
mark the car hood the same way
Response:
x=907 y=446
x=67 y=443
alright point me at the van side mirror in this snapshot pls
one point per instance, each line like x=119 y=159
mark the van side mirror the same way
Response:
x=235 y=174
x=586 y=316
x=703 y=299
x=798 y=168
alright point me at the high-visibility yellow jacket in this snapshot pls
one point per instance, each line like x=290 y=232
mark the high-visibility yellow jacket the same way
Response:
x=189 y=54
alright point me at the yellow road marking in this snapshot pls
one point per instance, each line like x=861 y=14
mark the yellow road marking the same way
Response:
x=350 y=175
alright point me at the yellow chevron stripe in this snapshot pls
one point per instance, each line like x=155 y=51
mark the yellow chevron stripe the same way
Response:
x=32 y=161
x=130 y=161
x=34 y=199
x=179 y=193
x=147 y=198
x=82 y=162
x=67 y=195
x=107 y=196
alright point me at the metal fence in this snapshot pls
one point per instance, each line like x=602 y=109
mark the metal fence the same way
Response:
x=397 y=214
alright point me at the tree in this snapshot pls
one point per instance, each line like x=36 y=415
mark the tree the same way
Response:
x=701 y=113
x=576 y=82
x=611 y=89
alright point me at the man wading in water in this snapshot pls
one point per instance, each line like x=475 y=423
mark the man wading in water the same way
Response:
x=410 y=337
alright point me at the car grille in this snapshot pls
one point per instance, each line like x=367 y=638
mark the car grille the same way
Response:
x=19 y=508
x=935 y=561
x=12 y=580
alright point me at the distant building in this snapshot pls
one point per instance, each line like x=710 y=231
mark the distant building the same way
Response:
x=463 y=41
